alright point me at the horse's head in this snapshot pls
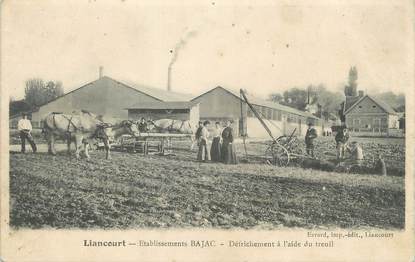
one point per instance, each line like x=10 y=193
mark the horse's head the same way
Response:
x=151 y=126
x=130 y=127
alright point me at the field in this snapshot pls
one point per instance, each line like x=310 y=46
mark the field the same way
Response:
x=135 y=191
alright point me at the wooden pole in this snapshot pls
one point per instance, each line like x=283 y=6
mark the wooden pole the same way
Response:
x=257 y=115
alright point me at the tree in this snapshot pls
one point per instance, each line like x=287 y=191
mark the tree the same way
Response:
x=276 y=98
x=38 y=93
x=34 y=92
x=317 y=95
x=392 y=99
x=53 y=90
x=16 y=107
x=400 y=108
x=351 y=88
x=296 y=97
x=328 y=100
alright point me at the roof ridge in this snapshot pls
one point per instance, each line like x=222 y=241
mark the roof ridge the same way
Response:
x=355 y=103
x=271 y=103
x=263 y=102
x=134 y=84
x=163 y=104
x=56 y=98
x=385 y=106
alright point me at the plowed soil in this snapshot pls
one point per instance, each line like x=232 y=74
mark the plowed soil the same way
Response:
x=136 y=191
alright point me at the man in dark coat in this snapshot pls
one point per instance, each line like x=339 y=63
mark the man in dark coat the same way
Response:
x=309 y=139
x=142 y=126
x=341 y=138
x=199 y=132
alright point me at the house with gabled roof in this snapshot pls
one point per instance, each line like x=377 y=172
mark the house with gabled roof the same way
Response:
x=368 y=116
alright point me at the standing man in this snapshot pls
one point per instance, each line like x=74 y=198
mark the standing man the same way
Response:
x=309 y=139
x=197 y=135
x=341 y=140
x=204 y=150
x=142 y=126
x=25 y=127
x=199 y=132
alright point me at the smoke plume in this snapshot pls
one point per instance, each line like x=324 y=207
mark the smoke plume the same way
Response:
x=180 y=45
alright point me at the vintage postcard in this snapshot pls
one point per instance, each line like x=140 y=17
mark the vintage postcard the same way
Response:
x=207 y=130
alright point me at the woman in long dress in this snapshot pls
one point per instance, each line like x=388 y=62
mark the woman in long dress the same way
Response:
x=204 y=153
x=216 y=143
x=228 y=148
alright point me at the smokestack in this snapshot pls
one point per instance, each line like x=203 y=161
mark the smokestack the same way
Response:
x=169 y=79
x=361 y=93
x=101 y=72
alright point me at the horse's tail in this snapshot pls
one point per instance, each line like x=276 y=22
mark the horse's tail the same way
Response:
x=43 y=126
x=44 y=123
x=48 y=122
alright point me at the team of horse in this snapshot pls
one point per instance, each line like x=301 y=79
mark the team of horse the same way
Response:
x=83 y=127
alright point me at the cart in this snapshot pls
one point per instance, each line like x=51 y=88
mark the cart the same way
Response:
x=149 y=143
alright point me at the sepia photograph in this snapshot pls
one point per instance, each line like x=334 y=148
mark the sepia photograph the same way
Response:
x=133 y=115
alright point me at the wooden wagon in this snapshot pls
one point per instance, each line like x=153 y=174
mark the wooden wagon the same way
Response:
x=147 y=143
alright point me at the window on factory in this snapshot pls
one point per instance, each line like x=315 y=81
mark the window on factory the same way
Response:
x=289 y=118
x=269 y=115
x=258 y=109
x=278 y=115
x=263 y=112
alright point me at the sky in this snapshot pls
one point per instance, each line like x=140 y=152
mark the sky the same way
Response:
x=263 y=47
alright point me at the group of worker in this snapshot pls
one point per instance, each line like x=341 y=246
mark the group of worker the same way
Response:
x=342 y=144
x=221 y=149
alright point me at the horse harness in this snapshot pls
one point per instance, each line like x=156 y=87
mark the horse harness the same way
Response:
x=97 y=134
x=70 y=123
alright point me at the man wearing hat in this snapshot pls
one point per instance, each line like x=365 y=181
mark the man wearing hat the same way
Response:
x=341 y=138
x=199 y=132
x=25 y=127
x=142 y=126
x=309 y=139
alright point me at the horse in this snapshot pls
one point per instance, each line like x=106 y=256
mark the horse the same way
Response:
x=81 y=128
x=173 y=126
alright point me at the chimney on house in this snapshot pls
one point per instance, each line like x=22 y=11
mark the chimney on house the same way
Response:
x=101 y=71
x=361 y=93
